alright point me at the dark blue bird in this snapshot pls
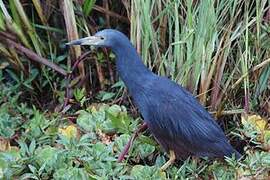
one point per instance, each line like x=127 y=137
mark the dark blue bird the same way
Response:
x=179 y=123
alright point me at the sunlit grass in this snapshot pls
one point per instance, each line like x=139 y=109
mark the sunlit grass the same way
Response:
x=203 y=51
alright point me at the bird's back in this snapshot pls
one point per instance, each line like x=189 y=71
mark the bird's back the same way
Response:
x=179 y=122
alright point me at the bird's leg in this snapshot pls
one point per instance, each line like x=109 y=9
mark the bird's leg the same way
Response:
x=142 y=128
x=169 y=162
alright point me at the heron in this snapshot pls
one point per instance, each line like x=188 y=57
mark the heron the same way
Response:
x=177 y=121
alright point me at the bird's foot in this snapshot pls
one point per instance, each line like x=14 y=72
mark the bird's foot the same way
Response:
x=169 y=162
x=122 y=155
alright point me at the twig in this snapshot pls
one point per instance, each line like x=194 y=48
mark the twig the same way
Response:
x=255 y=68
x=229 y=112
x=142 y=128
x=69 y=92
x=32 y=55
x=111 y=13
x=107 y=17
x=78 y=60
x=100 y=73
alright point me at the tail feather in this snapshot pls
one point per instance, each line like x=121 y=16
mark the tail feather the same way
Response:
x=237 y=154
x=233 y=153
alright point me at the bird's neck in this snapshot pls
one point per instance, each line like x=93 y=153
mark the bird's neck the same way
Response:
x=131 y=68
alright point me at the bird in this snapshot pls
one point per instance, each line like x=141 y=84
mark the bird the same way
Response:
x=175 y=118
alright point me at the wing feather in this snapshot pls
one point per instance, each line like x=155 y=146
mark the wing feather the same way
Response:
x=176 y=118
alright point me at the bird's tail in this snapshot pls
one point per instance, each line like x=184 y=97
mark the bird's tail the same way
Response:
x=237 y=154
x=234 y=153
x=231 y=152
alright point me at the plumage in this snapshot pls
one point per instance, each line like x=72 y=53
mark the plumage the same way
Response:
x=175 y=118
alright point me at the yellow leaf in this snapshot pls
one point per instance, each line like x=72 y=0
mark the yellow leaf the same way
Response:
x=4 y=144
x=257 y=121
x=69 y=132
x=4 y=65
x=93 y=109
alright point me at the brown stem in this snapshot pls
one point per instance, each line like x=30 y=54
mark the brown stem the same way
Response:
x=107 y=17
x=142 y=128
x=69 y=92
x=100 y=74
x=110 y=13
x=32 y=55
x=80 y=59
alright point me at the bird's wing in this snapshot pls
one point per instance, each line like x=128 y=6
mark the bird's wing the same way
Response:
x=177 y=116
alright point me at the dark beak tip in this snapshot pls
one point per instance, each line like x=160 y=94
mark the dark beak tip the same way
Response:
x=69 y=44
x=66 y=46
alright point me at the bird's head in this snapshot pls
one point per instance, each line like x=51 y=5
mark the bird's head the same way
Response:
x=106 y=38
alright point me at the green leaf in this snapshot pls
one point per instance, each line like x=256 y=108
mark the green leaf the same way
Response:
x=36 y=124
x=112 y=55
x=46 y=154
x=86 y=139
x=114 y=110
x=32 y=168
x=118 y=84
x=87 y=6
x=147 y=172
x=61 y=58
x=86 y=121
x=119 y=118
x=121 y=141
x=2 y=22
x=8 y=124
x=32 y=146
x=79 y=94
x=72 y=173
x=104 y=96
x=28 y=176
x=145 y=149
x=13 y=76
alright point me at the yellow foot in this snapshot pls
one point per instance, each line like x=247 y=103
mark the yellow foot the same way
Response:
x=169 y=162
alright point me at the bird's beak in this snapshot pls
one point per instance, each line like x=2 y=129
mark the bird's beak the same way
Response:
x=91 y=40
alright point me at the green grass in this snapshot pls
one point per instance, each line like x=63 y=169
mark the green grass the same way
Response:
x=202 y=48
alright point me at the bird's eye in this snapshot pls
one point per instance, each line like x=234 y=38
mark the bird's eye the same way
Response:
x=102 y=38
